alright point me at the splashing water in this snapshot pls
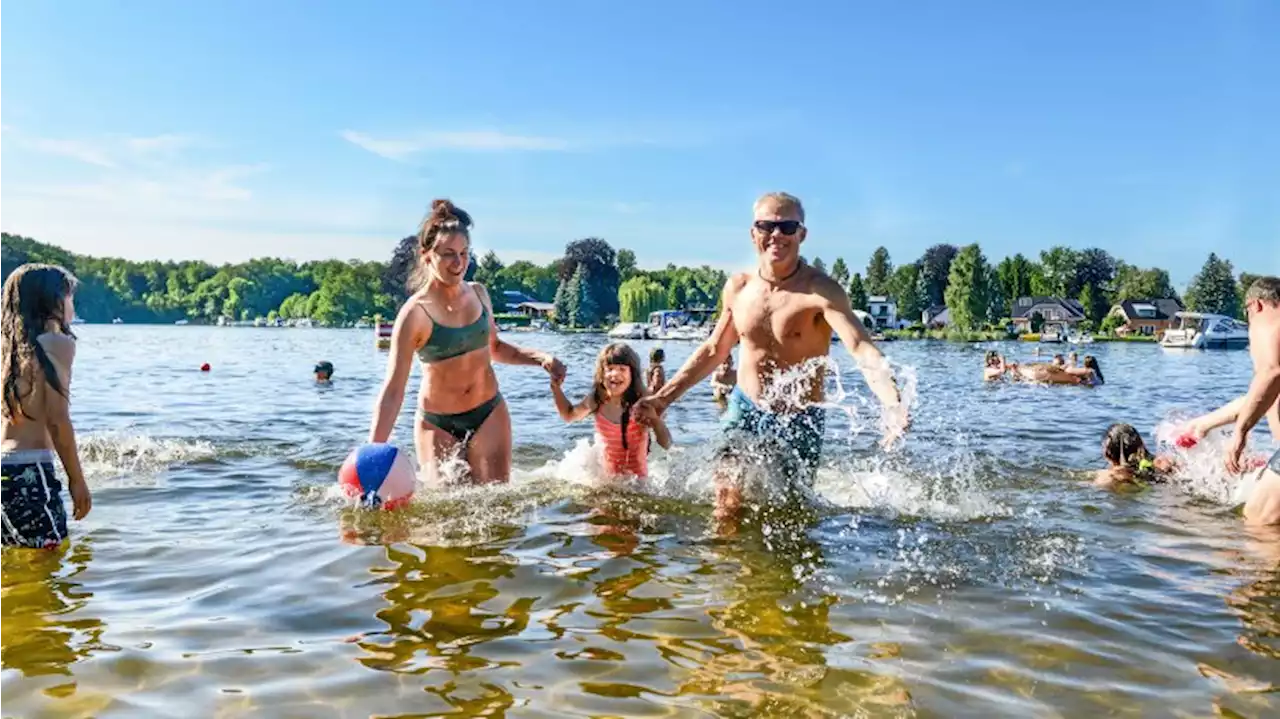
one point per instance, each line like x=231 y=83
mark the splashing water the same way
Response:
x=1201 y=472
x=111 y=456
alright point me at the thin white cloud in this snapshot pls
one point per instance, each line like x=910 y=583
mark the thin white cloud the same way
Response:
x=86 y=152
x=401 y=148
x=172 y=142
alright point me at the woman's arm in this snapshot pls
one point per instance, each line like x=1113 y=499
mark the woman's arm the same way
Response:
x=406 y=338
x=507 y=353
x=62 y=352
x=568 y=411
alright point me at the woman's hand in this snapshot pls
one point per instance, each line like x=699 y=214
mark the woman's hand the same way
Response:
x=554 y=367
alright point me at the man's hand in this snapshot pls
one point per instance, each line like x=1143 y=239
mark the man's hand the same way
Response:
x=555 y=368
x=895 y=421
x=81 y=501
x=1232 y=460
x=648 y=410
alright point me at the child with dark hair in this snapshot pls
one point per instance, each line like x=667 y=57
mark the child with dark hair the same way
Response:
x=617 y=386
x=657 y=374
x=324 y=371
x=1128 y=460
x=38 y=350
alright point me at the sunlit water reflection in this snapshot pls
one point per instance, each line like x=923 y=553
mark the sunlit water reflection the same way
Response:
x=973 y=571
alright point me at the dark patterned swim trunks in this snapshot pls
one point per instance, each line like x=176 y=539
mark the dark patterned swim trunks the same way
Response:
x=33 y=512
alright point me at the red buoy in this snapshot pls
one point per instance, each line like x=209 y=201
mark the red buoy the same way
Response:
x=204 y=367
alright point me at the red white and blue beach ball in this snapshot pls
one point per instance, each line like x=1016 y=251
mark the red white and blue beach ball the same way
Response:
x=379 y=475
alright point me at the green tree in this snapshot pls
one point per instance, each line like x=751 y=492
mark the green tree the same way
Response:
x=639 y=296
x=935 y=269
x=1133 y=283
x=626 y=264
x=1013 y=277
x=819 y=265
x=968 y=289
x=905 y=290
x=1111 y=323
x=586 y=311
x=1060 y=266
x=1094 y=302
x=1214 y=289
x=840 y=272
x=857 y=292
x=879 y=273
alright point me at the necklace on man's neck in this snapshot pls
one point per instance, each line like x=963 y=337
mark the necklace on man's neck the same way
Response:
x=780 y=280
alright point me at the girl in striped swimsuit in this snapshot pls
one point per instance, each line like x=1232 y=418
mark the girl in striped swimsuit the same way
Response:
x=619 y=382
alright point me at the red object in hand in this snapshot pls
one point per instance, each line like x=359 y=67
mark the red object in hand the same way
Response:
x=204 y=367
x=1186 y=441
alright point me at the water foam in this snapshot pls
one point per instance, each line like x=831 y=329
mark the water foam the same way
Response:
x=1201 y=472
x=113 y=455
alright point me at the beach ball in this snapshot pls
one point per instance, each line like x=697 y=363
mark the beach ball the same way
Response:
x=380 y=475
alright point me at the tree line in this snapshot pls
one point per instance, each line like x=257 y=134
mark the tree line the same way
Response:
x=593 y=284
x=978 y=294
x=584 y=284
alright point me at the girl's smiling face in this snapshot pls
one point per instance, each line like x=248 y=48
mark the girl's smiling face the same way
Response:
x=617 y=377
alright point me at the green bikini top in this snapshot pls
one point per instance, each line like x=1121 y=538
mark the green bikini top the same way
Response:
x=446 y=342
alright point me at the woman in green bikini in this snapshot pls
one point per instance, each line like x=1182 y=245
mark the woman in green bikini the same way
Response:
x=448 y=323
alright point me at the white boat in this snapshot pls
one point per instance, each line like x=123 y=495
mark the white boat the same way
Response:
x=1202 y=331
x=628 y=331
x=1080 y=338
x=117 y=321
x=182 y=323
x=77 y=320
x=1052 y=333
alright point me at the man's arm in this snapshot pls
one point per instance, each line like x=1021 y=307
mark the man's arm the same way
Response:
x=838 y=313
x=1263 y=392
x=1226 y=414
x=507 y=353
x=709 y=354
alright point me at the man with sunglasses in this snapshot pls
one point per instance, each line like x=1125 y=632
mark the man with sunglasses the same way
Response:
x=1262 y=310
x=784 y=314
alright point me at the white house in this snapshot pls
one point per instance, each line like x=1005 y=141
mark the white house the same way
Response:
x=884 y=311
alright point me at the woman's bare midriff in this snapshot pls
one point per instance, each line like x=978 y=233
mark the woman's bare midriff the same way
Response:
x=457 y=384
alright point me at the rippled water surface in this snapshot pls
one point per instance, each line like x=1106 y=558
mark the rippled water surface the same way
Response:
x=974 y=572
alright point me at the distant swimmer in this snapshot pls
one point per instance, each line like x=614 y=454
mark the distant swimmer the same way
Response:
x=448 y=323
x=617 y=386
x=724 y=380
x=784 y=314
x=323 y=372
x=1262 y=309
x=39 y=350
x=657 y=373
x=1090 y=374
x=993 y=366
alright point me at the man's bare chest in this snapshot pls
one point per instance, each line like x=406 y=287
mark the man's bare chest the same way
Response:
x=765 y=316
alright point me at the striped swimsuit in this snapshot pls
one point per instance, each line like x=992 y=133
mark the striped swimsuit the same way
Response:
x=33 y=514
x=619 y=460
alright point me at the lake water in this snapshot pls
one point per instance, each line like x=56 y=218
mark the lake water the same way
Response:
x=974 y=572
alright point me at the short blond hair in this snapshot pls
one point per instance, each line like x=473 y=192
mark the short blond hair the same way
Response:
x=783 y=200
x=1265 y=289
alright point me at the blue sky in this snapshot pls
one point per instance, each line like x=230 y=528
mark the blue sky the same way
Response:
x=232 y=129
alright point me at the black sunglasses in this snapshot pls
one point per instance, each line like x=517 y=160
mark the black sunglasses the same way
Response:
x=786 y=227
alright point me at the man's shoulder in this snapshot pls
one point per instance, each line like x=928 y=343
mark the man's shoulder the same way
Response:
x=821 y=284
